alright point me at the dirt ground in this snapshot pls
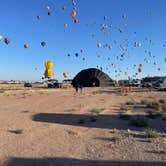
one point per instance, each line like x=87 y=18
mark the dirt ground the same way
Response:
x=50 y=127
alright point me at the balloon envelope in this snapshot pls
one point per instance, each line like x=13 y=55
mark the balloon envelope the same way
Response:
x=43 y=43
x=1 y=37
x=7 y=40
x=73 y=14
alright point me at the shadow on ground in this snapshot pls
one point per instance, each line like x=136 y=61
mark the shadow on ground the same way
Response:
x=77 y=162
x=98 y=121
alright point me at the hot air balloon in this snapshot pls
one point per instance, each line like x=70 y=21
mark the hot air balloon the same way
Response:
x=49 y=13
x=7 y=40
x=25 y=45
x=99 y=45
x=43 y=43
x=48 y=7
x=73 y=13
x=75 y=21
x=139 y=70
x=65 y=74
x=65 y=25
x=38 y=17
x=48 y=69
x=165 y=60
x=1 y=37
x=76 y=54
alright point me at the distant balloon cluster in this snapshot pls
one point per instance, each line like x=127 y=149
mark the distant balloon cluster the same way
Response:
x=123 y=44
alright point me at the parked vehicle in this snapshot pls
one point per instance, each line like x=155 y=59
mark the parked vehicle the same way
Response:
x=27 y=84
x=161 y=84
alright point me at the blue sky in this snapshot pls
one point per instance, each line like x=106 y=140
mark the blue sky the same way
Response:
x=144 y=23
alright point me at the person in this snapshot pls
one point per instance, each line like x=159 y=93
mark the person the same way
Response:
x=81 y=88
x=76 y=88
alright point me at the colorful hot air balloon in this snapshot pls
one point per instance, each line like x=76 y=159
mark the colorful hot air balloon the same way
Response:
x=73 y=14
x=7 y=40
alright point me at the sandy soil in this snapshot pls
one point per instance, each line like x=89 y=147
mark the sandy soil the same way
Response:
x=55 y=127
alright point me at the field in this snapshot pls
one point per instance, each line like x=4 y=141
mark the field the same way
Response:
x=101 y=127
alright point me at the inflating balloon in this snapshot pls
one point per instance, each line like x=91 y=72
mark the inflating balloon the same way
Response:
x=43 y=43
x=1 y=37
x=73 y=13
x=7 y=40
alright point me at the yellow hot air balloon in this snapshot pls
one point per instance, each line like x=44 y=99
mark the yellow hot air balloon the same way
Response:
x=48 y=69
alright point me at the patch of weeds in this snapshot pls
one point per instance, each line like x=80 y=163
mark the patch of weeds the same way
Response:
x=130 y=103
x=18 y=131
x=117 y=138
x=125 y=94
x=81 y=121
x=125 y=108
x=162 y=101
x=2 y=91
x=144 y=102
x=149 y=133
x=163 y=151
x=163 y=107
x=153 y=105
x=26 y=111
x=97 y=110
x=70 y=110
x=93 y=118
x=150 y=140
x=124 y=116
x=138 y=122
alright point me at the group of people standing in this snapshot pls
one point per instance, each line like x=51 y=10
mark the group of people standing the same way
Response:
x=78 y=87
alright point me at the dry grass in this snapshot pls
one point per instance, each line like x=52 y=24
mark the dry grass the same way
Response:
x=150 y=133
x=96 y=111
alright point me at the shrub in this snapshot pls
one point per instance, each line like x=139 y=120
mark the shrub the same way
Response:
x=153 y=115
x=130 y=103
x=163 y=151
x=96 y=110
x=149 y=133
x=138 y=122
x=153 y=105
x=162 y=101
x=117 y=138
x=163 y=107
x=125 y=108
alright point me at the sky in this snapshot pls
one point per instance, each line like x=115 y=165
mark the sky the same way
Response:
x=140 y=21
